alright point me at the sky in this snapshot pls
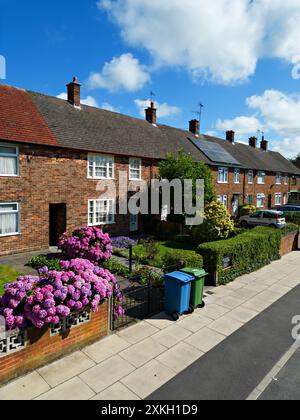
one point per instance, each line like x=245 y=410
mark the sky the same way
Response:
x=239 y=58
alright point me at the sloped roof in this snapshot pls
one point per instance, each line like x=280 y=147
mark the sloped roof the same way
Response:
x=40 y=119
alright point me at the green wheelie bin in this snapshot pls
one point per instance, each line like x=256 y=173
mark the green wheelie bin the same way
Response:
x=197 y=286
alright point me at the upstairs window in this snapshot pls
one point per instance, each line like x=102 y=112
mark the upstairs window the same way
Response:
x=278 y=179
x=261 y=178
x=286 y=180
x=237 y=176
x=223 y=176
x=100 y=167
x=9 y=160
x=9 y=219
x=135 y=169
x=250 y=177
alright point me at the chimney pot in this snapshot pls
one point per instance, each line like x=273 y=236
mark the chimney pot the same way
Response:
x=253 y=142
x=74 y=92
x=151 y=113
x=230 y=136
x=195 y=127
x=264 y=145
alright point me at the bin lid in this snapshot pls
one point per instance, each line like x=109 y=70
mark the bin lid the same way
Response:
x=179 y=276
x=196 y=272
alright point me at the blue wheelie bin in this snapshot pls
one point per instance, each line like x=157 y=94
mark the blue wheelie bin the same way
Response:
x=178 y=294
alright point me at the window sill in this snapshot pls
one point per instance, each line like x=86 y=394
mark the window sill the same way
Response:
x=101 y=224
x=9 y=235
x=9 y=176
x=223 y=182
x=101 y=179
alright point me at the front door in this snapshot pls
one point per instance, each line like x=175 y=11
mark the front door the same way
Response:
x=235 y=204
x=270 y=201
x=57 y=222
x=134 y=223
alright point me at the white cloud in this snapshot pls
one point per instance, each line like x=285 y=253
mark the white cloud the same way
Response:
x=164 y=110
x=276 y=113
x=243 y=126
x=221 y=40
x=122 y=73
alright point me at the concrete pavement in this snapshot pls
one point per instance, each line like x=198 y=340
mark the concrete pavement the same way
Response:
x=140 y=361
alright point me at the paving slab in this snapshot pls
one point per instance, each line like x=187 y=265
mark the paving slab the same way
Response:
x=107 y=373
x=214 y=311
x=231 y=302
x=242 y=314
x=226 y=325
x=66 y=368
x=138 y=332
x=160 y=321
x=116 y=392
x=205 y=340
x=141 y=353
x=180 y=357
x=106 y=348
x=26 y=388
x=148 y=378
x=73 y=390
x=195 y=322
x=170 y=336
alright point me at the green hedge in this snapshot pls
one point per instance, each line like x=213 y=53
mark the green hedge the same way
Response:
x=248 y=252
x=189 y=258
x=293 y=218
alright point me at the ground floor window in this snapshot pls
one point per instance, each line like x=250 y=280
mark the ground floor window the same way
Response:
x=261 y=201
x=9 y=219
x=285 y=198
x=101 y=212
x=278 y=199
x=223 y=199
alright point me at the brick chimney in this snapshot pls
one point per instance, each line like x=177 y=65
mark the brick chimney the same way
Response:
x=151 y=114
x=253 y=142
x=195 y=127
x=264 y=144
x=230 y=136
x=74 y=92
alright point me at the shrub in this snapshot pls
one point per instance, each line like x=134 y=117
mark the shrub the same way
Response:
x=289 y=228
x=247 y=210
x=217 y=224
x=146 y=275
x=123 y=242
x=188 y=258
x=115 y=267
x=42 y=261
x=292 y=218
x=89 y=243
x=150 y=249
x=42 y=300
x=248 y=252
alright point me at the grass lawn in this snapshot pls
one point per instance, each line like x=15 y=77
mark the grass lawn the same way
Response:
x=7 y=275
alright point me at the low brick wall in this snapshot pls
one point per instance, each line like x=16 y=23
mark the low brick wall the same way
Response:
x=289 y=243
x=33 y=348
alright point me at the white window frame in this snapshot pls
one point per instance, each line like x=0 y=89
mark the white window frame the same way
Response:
x=259 y=197
x=18 y=212
x=278 y=176
x=110 y=205
x=286 y=180
x=251 y=177
x=223 y=175
x=224 y=200
x=261 y=174
x=237 y=176
x=131 y=168
x=110 y=165
x=16 y=155
x=276 y=196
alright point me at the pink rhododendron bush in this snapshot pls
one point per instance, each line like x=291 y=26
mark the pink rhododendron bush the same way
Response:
x=43 y=300
x=90 y=243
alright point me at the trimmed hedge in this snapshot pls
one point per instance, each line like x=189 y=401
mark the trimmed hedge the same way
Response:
x=293 y=218
x=189 y=258
x=249 y=252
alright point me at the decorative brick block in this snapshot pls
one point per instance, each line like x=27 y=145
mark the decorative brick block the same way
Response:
x=33 y=348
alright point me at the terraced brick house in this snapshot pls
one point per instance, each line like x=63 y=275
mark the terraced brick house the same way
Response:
x=53 y=153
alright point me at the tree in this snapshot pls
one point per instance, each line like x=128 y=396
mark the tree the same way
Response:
x=296 y=161
x=183 y=166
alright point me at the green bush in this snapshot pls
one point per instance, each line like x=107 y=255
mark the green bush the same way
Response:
x=182 y=239
x=117 y=268
x=248 y=252
x=217 y=224
x=292 y=218
x=189 y=258
x=247 y=210
x=42 y=261
x=289 y=228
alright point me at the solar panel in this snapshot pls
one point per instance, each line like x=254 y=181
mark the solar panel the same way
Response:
x=215 y=152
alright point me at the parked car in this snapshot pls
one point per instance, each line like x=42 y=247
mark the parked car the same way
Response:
x=289 y=208
x=272 y=218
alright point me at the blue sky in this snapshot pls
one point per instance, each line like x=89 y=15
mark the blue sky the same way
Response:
x=239 y=59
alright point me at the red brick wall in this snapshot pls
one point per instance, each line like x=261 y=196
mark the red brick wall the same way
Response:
x=289 y=243
x=245 y=189
x=54 y=176
x=42 y=348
